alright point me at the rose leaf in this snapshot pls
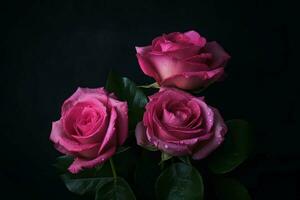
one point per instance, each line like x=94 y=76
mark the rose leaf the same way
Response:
x=126 y=90
x=179 y=181
x=230 y=189
x=236 y=148
x=115 y=190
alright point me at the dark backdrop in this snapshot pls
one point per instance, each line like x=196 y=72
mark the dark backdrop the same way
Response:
x=48 y=48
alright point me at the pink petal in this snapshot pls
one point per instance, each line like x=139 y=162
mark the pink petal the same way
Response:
x=122 y=119
x=220 y=57
x=195 y=38
x=140 y=134
x=63 y=142
x=80 y=163
x=174 y=149
x=147 y=67
x=167 y=66
x=78 y=95
x=219 y=131
x=143 y=50
x=110 y=139
x=193 y=80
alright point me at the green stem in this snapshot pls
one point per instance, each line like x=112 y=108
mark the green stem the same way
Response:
x=152 y=85
x=113 y=169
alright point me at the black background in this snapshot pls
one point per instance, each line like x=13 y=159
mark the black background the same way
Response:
x=48 y=48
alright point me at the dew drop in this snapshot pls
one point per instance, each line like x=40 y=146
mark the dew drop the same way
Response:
x=102 y=159
x=166 y=146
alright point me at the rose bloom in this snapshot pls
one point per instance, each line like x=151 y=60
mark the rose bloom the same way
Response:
x=183 y=60
x=93 y=124
x=179 y=124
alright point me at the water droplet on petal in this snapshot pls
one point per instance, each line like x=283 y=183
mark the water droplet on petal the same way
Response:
x=102 y=159
x=166 y=146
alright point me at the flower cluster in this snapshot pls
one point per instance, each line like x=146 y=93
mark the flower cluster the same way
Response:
x=95 y=123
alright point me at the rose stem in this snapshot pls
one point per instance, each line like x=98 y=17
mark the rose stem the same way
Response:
x=113 y=169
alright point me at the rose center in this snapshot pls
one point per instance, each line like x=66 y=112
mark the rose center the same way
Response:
x=87 y=120
x=177 y=117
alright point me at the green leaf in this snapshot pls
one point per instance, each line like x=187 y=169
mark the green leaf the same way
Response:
x=84 y=185
x=152 y=85
x=179 y=181
x=185 y=159
x=122 y=149
x=88 y=180
x=230 y=189
x=236 y=148
x=63 y=163
x=125 y=163
x=126 y=90
x=115 y=190
x=165 y=157
x=150 y=148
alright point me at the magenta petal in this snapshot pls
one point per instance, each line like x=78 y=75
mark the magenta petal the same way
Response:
x=220 y=57
x=173 y=149
x=219 y=131
x=195 y=38
x=80 y=163
x=140 y=134
x=167 y=66
x=207 y=114
x=63 y=143
x=97 y=132
x=147 y=67
x=78 y=95
x=142 y=50
x=193 y=80
x=184 y=52
x=110 y=139
x=122 y=121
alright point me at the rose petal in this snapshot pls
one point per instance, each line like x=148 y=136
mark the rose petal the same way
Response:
x=147 y=67
x=78 y=95
x=122 y=119
x=167 y=66
x=80 y=163
x=141 y=137
x=97 y=134
x=171 y=148
x=143 y=50
x=220 y=57
x=110 y=139
x=195 y=38
x=59 y=138
x=207 y=114
x=219 y=131
x=64 y=144
x=193 y=80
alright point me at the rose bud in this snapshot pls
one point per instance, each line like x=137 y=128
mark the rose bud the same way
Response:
x=183 y=60
x=179 y=124
x=93 y=124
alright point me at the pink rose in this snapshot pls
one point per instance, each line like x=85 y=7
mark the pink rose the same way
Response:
x=183 y=60
x=180 y=124
x=92 y=125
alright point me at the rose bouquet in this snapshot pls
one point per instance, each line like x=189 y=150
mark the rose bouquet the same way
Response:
x=120 y=144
